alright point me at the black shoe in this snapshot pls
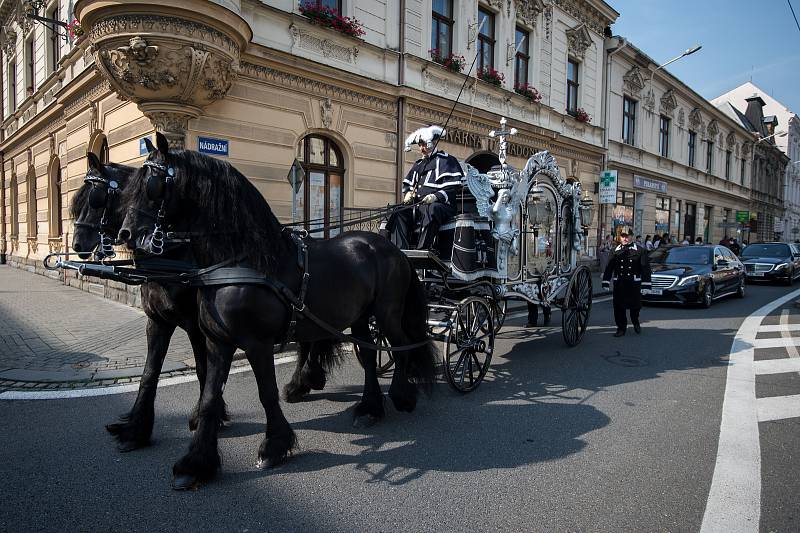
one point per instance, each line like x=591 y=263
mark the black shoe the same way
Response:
x=620 y=333
x=546 y=320
x=637 y=328
x=530 y=324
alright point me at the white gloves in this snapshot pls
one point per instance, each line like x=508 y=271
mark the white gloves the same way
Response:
x=408 y=198
x=429 y=199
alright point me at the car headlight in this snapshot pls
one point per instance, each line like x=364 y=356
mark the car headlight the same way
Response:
x=782 y=265
x=688 y=280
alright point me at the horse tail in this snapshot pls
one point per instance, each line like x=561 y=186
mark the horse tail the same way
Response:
x=422 y=361
x=328 y=353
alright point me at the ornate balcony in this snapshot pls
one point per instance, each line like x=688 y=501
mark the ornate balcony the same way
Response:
x=171 y=57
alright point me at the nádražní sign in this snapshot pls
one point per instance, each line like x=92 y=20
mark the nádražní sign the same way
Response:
x=640 y=182
x=207 y=145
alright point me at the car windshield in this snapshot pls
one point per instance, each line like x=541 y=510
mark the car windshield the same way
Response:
x=766 y=250
x=684 y=255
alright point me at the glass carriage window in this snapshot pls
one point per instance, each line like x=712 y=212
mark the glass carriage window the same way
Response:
x=486 y=40
x=522 y=58
x=628 y=120
x=320 y=199
x=442 y=27
x=572 y=87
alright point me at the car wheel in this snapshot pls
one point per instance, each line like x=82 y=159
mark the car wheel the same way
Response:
x=790 y=278
x=708 y=296
x=740 y=290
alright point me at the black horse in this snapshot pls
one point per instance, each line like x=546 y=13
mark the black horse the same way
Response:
x=98 y=214
x=352 y=277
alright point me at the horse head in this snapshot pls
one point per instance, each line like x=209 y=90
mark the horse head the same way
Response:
x=96 y=208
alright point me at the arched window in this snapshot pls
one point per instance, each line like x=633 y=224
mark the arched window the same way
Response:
x=30 y=187
x=103 y=153
x=14 y=200
x=54 y=197
x=320 y=199
x=98 y=145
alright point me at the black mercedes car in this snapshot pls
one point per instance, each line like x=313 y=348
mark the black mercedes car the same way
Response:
x=694 y=274
x=771 y=261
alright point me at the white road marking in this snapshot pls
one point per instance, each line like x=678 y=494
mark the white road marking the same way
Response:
x=116 y=389
x=787 y=334
x=734 y=501
x=778 y=408
x=782 y=342
x=776 y=366
x=772 y=328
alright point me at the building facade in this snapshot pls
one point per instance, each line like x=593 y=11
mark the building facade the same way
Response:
x=683 y=166
x=787 y=139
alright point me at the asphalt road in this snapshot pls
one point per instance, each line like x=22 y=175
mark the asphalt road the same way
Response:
x=613 y=435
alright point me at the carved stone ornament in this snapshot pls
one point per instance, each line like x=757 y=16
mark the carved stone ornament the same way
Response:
x=171 y=66
x=633 y=81
x=746 y=148
x=528 y=11
x=585 y=13
x=668 y=103
x=649 y=101
x=497 y=4
x=578 y=41
x=326 y=111
x=696 y=120
x=730 y=140
x=681 y=118
x=712 y=129
x=8 y=40
x=323 y=46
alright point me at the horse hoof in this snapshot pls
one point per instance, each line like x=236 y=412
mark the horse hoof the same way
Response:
x=264 y=464
x=365 y=421
x=185 y=482
x=128 y=446
x=296 y=394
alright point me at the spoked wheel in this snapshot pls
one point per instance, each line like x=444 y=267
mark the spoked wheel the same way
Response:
x=470 y=344
x=576 y=307
x=384 y=357
x=500 y=308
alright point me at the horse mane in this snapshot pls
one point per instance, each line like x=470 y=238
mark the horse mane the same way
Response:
x=225 y=205
x=116 y=171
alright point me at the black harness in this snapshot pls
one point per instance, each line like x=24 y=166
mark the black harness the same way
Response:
x=101 y=196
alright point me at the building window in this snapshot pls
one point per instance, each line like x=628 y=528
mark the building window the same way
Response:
x=53 y=41
x=572 y=86
x=320 y=198
x=692 y=144
x=522 y=58
x=663 y=209
x=689 y=221
x=103 y=153
x=442 y=27
x=12 y=87
x=30 y=66
x=728 y=165
x=710 y=157
x=14 y=206
x=663 y=137
x=486 y=40
x=54 y=197
x=743 y=173
x=30 y=189
x=628 y=120
x=335 y=5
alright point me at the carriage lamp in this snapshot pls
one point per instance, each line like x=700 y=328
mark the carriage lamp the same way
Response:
x=586 y=210
x=32 y=8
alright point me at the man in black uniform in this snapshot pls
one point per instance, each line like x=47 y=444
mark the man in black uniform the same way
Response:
x=434 y=181
x=630 y=268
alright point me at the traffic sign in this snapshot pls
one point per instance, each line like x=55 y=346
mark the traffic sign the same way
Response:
x=608 y=187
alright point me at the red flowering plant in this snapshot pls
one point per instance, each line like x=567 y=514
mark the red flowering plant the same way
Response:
x=582 y=116
x=528 y=91
x=75 y=30
x=452 y=62
x=330 y=18
x=490 y=75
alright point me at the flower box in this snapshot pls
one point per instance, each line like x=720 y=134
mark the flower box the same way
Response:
x=528 y=91
x=452 y=62
x=330 y=18
x=582 y=116
x=490 y=75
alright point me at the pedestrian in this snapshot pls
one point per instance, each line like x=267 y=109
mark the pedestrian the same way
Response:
x=604 y=252
x=734 y=246
x=670 y=239
x=725 y=241
x=686 y=240
x=629 y=267
x=698 y=241
x=639 y=241
x=648 y=243
x=533 y=315
x=656 y=241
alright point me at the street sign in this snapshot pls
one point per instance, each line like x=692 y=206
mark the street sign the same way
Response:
x=608 y=187
x=143 y=146
x=640 y=182
x=296 y=176
x=208 y=145
x=743 y=217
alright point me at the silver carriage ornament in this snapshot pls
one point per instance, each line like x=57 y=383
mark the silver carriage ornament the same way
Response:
x=501 y=195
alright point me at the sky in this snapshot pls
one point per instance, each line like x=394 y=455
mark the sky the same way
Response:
x=755 y=40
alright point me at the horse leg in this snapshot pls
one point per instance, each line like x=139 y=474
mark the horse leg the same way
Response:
x=202 y=460
x=296 y=389
x=370 y=409
x=198 y=341
x=279 y=440
x=134 y=429
x=402 y=392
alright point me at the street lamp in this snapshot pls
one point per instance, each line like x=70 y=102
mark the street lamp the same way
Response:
x=688 y=52
x=776 y=134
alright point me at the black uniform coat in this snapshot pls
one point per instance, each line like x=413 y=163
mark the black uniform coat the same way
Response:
x=629 y=267
x=439 y=174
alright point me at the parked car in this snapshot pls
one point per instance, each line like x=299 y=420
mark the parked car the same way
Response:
x=772 y=261
x=690 y=274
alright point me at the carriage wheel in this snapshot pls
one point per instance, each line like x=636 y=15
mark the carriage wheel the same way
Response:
x=469 y=344
x=576 y=307
x=500 y=308
x=384 y=357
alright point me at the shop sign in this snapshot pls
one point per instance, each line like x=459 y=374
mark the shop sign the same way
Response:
x=743 y=217
x=608 y=187
x=640 y=182
x=207 y=145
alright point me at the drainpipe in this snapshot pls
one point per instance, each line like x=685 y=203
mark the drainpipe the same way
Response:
x=401 y=104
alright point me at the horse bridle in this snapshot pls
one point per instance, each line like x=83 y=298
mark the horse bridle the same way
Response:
x=158 y=187
x=101 y=196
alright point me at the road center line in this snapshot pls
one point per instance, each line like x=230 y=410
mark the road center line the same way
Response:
x=734 y=501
